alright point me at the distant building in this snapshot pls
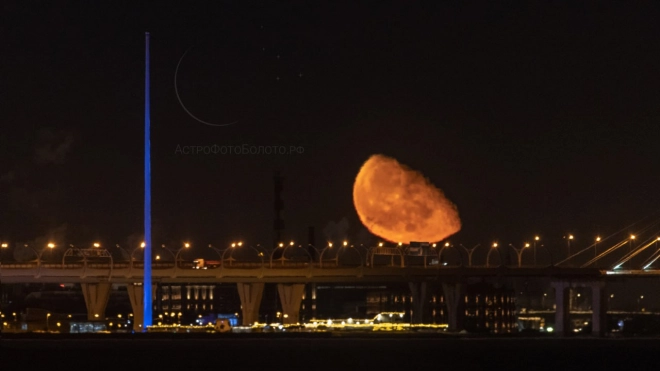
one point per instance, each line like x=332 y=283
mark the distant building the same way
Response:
x=490 y=309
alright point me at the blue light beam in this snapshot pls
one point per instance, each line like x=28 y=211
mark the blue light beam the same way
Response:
x=146 y=286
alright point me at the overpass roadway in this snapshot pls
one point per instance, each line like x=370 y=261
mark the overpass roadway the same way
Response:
x=122 y=273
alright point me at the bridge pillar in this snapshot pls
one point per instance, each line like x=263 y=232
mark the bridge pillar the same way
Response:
x=290 y=298
x=96 y=299
x=135 y=295
x=455 y=300
x=250 y=294
x=598 y=309
x=562 y=307
x=418 y=291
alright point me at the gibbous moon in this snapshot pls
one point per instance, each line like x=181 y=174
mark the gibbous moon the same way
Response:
x=400 y=205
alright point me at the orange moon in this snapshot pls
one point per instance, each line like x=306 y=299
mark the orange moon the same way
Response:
x=400 y=205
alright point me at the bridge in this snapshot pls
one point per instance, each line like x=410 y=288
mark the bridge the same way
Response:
x=291 y=267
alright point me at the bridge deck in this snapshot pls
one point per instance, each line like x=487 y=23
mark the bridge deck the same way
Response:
x=256 y=272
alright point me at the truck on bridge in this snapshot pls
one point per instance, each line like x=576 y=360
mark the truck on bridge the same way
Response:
x=205 y=264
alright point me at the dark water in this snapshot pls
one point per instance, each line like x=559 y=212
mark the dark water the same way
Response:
x=274 y=352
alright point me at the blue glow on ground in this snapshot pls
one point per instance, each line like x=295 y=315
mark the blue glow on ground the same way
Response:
x=146 y=298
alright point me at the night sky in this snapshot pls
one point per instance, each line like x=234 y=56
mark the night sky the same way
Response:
x=533 y=119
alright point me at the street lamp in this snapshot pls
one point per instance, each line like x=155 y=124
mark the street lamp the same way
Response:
x=519 y=252
x=632 y=239
x=47 y=322
x=4 y=245
x=596 y=247
x=469 y=252
x=493 y=248
x=323 y=252
x=176 y=257
x=536 y=239
x=49 y=246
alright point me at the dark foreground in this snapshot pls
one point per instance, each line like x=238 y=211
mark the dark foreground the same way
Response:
x=346 y=352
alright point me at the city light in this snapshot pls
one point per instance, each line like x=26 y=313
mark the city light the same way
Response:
x=597 y=239
x=240 y=244
x=537 y=238
x=494 y=244
x=96 y=244
x=380 y=244
x=570 y=237
x=632 y=236
x=4 y=245
x=51 y=245
x=526 y=244
x=329 y=244
x=186 y=245
x=142 y=245
x=345 y=243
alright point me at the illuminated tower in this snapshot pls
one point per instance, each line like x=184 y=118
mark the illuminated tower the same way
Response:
x=279 y=205
x=146 y=295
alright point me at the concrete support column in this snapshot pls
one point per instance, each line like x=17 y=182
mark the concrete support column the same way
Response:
x=455 y=300
x=135 y=296
x=250 y=294
x=562 y=309
x=599 y=309
x=419 y=305
x=96 y=299
x=290 y=298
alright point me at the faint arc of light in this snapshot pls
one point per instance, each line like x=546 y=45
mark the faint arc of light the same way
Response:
x=176 y=91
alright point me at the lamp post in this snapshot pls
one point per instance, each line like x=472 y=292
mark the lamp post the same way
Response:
x=132 y=263
x=519 y=252
x=570 y=237
x=48 y=322
x=49 y=246
x=493 y=247
x=176 y=257
x=596 y=247
x=632 y=239
x=3 y=246
x=125 y=253
x=231 y=251
x=469 y=252
x=536 y=239
x=323 y=252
